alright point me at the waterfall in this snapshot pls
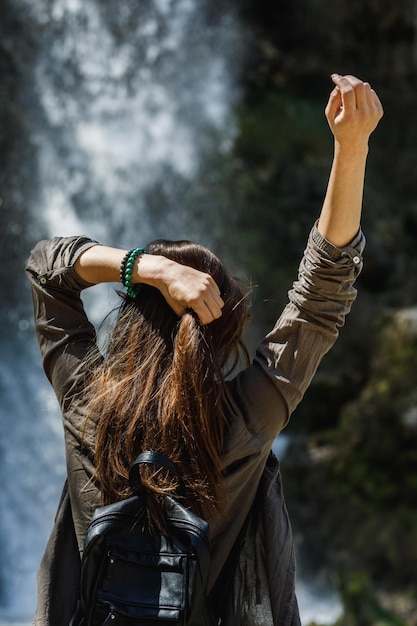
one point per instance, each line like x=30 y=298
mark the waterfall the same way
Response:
x=126 y=103
x=126 y=99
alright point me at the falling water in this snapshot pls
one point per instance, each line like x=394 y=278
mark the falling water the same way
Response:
x=127 y=103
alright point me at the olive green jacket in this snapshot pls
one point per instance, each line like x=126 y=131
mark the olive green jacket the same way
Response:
x=264 y=395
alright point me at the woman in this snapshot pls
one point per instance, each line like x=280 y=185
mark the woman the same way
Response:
x=162 y=384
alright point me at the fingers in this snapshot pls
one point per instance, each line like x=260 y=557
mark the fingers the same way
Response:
x=183 y=287
x=207 y=304
x=377 y=102
x=188 y=289
x=346 y=86
x=207 y=313
x=353 y=110
x=355 y=92
x=334 y=104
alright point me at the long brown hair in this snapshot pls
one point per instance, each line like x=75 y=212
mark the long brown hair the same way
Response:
x=162 y=387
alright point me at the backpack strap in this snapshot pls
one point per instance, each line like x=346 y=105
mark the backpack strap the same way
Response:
x=152 y=458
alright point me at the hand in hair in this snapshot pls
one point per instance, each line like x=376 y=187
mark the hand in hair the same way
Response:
x=183 y=287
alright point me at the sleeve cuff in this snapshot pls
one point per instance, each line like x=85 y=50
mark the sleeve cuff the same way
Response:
x=353 y=249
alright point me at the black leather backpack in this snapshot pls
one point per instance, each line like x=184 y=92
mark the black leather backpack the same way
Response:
x=134 y=576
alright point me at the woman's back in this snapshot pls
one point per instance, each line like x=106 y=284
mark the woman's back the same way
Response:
x=161 y=386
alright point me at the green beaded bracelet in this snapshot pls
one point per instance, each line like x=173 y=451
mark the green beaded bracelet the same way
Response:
x=123 y=265
x=126 y=271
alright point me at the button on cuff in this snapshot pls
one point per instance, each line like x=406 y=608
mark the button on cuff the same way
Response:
x=353 y=256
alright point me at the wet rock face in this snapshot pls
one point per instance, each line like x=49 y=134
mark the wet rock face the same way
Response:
x=18 y=167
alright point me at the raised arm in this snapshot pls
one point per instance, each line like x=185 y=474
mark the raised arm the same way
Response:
x=183 y=287
x=353 y=112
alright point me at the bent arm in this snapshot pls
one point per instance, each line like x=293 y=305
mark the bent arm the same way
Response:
x=353 y=112
x=183 y=287
x=59 y=269
x=64 y=333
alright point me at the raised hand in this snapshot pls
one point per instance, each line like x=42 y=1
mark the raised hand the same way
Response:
x=353 y=110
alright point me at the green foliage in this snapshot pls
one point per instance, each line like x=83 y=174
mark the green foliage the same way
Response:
x=274 y=185
x=294 y=49
x=376 y=464
x=357 y=484
x=278 y=126
x=361 y=605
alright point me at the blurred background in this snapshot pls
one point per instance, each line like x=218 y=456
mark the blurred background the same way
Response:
x=133 y=120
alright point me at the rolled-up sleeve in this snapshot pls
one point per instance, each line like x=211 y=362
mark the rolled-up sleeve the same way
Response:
x=269 y=390
x=64 y=333
x=66 y=340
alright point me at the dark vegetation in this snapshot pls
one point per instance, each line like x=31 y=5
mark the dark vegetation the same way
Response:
x=351 y=471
